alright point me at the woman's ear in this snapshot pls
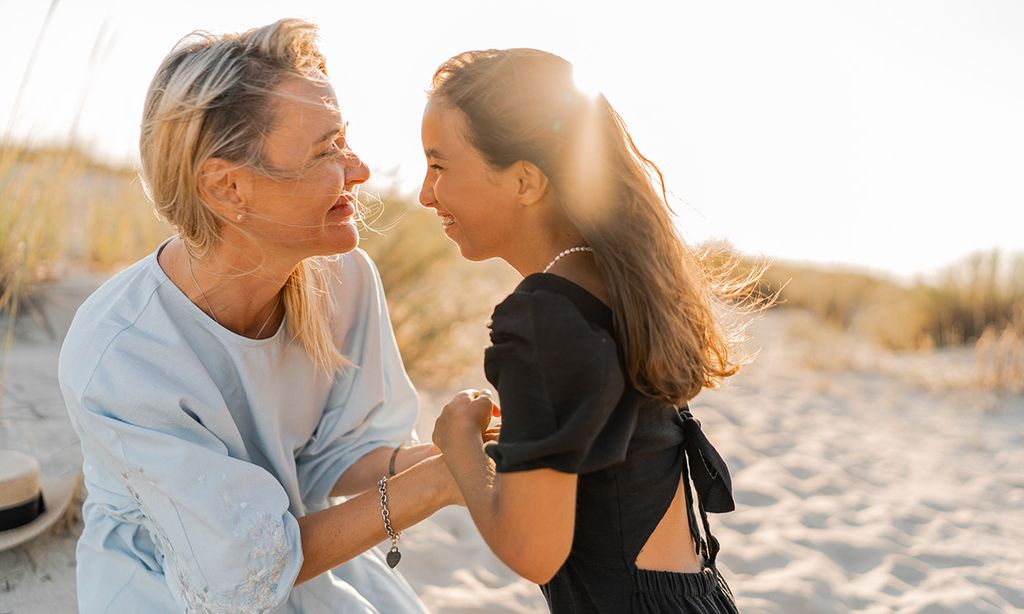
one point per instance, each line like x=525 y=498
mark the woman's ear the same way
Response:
x=533 y=183
x=221 y=185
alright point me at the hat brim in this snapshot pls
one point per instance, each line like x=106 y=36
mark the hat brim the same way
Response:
x=57 y=493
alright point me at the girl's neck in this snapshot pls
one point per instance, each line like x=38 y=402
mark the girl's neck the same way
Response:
x=578 y=267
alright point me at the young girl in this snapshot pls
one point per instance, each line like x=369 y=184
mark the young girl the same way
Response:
x=594 y=355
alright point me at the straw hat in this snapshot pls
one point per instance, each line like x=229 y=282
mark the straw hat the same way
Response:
x=30 y=502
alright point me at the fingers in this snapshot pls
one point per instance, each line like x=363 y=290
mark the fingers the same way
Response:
x=471 y=395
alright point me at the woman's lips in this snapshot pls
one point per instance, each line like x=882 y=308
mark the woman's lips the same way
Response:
x=345 y=207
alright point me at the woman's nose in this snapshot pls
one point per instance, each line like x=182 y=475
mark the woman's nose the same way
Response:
x=356 y=171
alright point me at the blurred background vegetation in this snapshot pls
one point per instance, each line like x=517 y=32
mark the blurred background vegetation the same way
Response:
x=60 y=211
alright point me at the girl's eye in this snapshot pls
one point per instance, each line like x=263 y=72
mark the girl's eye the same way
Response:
x=436 y=167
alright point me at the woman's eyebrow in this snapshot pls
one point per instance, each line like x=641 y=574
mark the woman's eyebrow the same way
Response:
x=333 y=133
x=433 y=153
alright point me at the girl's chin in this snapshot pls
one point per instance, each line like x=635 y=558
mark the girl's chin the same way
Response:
x=471 y=254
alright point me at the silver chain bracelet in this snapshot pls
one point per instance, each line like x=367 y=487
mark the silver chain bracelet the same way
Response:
x=393 y=555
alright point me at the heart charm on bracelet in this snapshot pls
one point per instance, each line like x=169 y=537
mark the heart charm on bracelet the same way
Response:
x=393 y=557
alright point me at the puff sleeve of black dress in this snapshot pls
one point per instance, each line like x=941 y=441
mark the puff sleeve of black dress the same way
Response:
x=559 y=380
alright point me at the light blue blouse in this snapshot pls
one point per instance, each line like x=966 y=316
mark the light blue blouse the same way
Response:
x=202 y=447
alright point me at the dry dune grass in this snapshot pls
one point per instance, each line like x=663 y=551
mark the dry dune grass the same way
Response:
x=62 y=208
x=439 y=302
x=976 y=303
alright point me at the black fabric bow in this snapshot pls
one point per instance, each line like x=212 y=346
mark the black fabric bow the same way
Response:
x=710 y=474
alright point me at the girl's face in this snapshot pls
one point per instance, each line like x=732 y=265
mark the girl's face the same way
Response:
x=477 y=204
x=309 y=208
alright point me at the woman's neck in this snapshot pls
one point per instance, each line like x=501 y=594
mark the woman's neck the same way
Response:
x=240 y=293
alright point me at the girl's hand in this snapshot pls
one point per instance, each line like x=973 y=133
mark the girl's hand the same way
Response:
x=468 y=414
x=492 y=433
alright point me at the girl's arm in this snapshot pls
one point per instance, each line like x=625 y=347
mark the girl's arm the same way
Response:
x=528 y=517
x=334 y=535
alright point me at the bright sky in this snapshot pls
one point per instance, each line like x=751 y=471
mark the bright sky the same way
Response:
x=884 y=134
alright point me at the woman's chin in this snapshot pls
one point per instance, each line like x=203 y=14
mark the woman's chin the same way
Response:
x=343 y=238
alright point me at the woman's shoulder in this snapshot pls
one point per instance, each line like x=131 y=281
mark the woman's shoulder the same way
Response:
x=119 y=319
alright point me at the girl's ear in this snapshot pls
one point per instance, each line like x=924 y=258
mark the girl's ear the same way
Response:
x=533 y=183
x=222 y=185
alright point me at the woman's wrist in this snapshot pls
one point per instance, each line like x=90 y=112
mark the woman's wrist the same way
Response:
x=409 y=455
x=445 y=488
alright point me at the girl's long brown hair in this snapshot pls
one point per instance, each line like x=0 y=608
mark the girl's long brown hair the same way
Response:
x=522 y=104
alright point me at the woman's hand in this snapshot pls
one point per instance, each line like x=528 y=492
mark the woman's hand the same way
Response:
x=468 y=414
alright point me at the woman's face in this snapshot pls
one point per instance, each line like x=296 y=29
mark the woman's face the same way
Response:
x=309 y=209
x=476 y=203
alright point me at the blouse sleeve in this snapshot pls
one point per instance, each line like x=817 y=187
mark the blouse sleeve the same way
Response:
x=372 y=404
x=559 y=382
x=222 y=525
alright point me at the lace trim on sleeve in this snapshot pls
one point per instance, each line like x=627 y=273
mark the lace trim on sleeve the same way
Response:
x=261 y=531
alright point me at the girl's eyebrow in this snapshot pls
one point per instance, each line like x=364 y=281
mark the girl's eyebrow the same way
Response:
x=433 y=153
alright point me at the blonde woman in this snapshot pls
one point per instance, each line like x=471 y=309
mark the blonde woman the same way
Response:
x=594 y=355
x=229 y=383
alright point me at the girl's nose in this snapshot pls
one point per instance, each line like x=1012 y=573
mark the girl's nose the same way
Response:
x=427 y=193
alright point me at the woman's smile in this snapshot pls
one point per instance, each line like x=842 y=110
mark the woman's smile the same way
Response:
x=344 y=206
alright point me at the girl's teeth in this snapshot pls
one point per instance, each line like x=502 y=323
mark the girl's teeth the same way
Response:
x=447 y=220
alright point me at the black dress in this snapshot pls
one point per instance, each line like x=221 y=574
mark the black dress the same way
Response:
x=567 y=405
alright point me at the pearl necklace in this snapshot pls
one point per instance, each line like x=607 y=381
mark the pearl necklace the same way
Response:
x=564 y=253
x=210 y=307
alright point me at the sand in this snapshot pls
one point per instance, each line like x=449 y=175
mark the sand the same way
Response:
x=865 y=481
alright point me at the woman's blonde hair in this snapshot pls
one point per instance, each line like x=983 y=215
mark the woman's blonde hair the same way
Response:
x=212 y=98
x=522 y=104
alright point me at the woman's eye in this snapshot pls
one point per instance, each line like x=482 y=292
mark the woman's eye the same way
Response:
x=333 y=150
x=436 y=167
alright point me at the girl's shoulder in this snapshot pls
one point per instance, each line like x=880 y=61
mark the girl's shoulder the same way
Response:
x=548 y=297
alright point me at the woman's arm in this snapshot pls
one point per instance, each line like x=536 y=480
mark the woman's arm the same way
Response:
x=527 y=518
x=334 y=535
x=364 y=473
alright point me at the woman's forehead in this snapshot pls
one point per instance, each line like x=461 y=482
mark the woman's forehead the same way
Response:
x=306 y=105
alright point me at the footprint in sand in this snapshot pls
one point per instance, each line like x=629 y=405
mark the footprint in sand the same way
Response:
x=739 y=526
x=945 y=561
x=753 y=564
x=853 y=559
x=801 y=473
x=814 y=520
x=908 y=570
x=754 y=498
